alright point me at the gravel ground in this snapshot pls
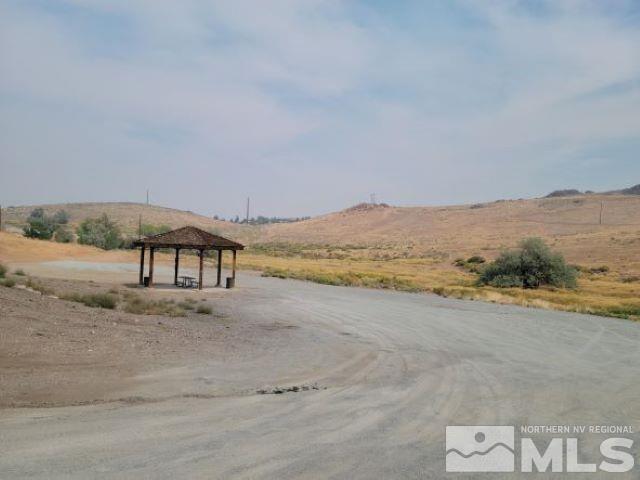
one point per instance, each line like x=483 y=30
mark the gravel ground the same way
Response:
x=55 y=352
x=379 y=375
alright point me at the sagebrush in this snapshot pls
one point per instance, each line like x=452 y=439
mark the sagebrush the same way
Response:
x=531 y=265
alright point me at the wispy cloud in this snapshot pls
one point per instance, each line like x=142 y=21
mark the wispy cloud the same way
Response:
x=308 y=106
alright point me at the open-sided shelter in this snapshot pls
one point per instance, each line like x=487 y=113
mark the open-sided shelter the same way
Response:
x=188 y=238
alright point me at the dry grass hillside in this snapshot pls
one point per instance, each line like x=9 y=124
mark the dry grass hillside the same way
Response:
x=125 y=214
x=464 y=229
x=380 y=232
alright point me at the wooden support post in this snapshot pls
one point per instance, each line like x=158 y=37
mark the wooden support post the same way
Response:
x=151 y=252
x=175 y=273
x=233 y=268
x=142 y=266
x=200 y=276
x=219 y=278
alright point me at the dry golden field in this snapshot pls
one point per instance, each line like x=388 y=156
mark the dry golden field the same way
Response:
x=414 y=248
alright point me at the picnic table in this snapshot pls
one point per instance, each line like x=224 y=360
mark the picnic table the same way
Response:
x=185 y=281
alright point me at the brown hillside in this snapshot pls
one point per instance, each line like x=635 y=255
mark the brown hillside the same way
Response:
x=571 y=224
x=499 y=220
x=125 y=214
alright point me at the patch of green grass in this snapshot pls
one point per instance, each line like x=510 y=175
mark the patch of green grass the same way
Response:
x=138 y=305
x=95 y=300
x=474 y=264
x=204 y=309
x=350 y=279
x=630 y=279
x=38 y=287
x=629 y=312
x=186 y=305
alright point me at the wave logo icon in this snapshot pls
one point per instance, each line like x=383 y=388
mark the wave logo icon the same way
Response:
x=480 y=448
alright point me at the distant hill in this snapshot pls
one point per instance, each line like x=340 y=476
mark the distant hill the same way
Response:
x=564 y=193
x=635 y=190
x=503 y=221
x=572 y=192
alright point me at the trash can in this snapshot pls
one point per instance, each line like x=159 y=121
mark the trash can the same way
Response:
x=231 y=282
x=146 y=281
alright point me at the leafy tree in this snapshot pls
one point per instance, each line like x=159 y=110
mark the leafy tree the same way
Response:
x=63 y=234
x=42 y=228
x=532 y=265
x=40 y=225
x=100 y=232
x=37 y=213
x=61 y=217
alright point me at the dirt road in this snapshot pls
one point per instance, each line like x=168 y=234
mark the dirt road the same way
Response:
x=391 y=371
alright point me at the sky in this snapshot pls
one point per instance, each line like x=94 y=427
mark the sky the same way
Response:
x=309 y=106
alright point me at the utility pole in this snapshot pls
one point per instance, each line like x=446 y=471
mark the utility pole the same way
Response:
x=601 y=209
x=247 y=210
x=140 y=227
x=147 y=196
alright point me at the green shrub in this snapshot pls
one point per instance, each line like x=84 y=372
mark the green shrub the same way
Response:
x=19 y=272
x=39 y=228
x=474 y=264
x=61 y=217
x=476 y=259
x=42 y=226
x=8 y=282
x=95 y=300
x=204 y=309
x=63 y=235
x=3 y=270
x=100 y=232
x=600 y=269
x=532 y=265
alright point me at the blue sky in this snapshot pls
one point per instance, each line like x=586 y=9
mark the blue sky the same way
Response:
x=309 y=106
